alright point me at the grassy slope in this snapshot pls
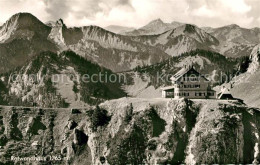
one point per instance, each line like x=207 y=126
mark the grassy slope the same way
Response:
x=247 y=89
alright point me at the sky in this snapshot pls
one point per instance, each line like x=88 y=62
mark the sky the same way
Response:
x=137 y=13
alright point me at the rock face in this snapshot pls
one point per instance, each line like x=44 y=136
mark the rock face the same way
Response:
x=255 y=58
x=150 y=131
x=245 y=85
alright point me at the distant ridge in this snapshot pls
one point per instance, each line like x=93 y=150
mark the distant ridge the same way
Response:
x=119 y=29
x=156 y=26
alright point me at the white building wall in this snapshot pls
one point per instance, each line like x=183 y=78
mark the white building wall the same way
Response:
x=191 y=89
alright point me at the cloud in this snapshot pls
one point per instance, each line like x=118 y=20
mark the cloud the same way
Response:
x=258 y=20
x=136 y=13
x=82 y=8
x=222 y=12
x=57 y=8
x=204 y=11
x=236 y=6
x=124 y=2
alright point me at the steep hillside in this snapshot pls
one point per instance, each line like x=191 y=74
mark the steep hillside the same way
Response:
x=246 y=85
x=60 y=80
x=235 y=41
x=21 y=37
x=247 y=89
x=168 y=132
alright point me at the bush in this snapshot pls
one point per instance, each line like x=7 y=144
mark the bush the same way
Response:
x=75 y=87
x=99 y=118
x=129 y=113
x=152 y=144
x=3 y=140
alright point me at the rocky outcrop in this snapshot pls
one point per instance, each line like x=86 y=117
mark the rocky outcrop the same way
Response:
x=245 y=85
x=150 y=131
x=255 y=58
x=217 y=136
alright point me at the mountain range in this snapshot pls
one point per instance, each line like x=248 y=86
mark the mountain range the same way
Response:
x=159 y=42
x=158 y=46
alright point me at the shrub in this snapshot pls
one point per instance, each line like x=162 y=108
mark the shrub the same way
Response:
x=99 y=118
x=129 y=113
x=152 y=144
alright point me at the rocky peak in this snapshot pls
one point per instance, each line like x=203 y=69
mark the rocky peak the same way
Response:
x=193 y=33
x=25 y=23
x=25 y=20
x=60 y=22
x=155 y=23
x=158 y=20
x=232 y=26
